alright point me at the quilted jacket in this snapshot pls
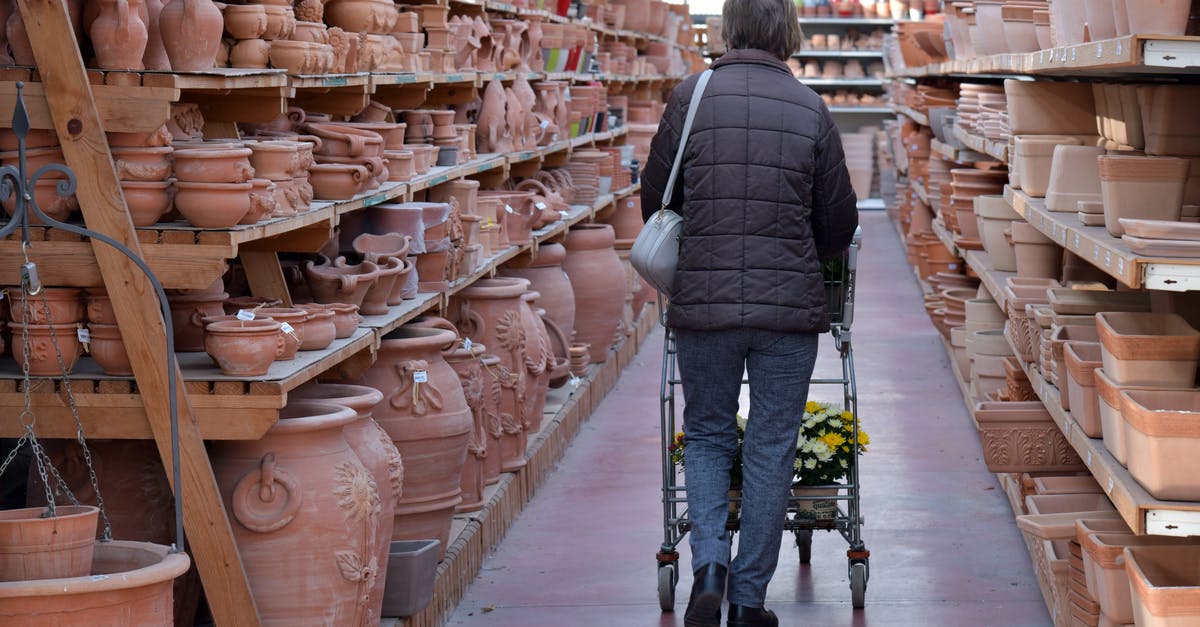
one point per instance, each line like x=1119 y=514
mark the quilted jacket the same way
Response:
x=764 y=194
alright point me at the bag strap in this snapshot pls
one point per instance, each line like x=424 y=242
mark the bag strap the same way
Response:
x=683 y=138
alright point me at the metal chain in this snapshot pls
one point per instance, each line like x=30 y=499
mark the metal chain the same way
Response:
x=106 y=535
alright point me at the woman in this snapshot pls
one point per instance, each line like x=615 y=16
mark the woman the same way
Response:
x=765 y=198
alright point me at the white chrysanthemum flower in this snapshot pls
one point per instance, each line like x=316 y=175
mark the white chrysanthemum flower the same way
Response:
x=810 y=464
x=809 y=424
x=845 y=464
x=820 y=448
x=835 y=423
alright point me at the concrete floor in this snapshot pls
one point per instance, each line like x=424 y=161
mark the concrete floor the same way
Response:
x=944 y=547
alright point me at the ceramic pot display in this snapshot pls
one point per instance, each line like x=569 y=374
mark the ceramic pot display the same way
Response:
x=427 y=416
x=377 y=454
x=491 y=312
x=301 y=481
x=244 y=348
x=598 y=282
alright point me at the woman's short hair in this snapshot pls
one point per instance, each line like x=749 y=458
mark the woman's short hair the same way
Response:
x=770 y=25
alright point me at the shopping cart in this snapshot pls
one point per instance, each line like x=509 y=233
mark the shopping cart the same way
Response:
x=847 y=520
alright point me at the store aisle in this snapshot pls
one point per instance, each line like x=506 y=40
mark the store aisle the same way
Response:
x=945 y=550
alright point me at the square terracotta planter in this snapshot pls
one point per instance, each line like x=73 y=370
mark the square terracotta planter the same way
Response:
x=1104 y=563
x=1165 y=581
x=1033 y=157
x=1044 y=108
x=1082 y=360
x=1149 y=349
x=1112 y=423
x=1162 y=437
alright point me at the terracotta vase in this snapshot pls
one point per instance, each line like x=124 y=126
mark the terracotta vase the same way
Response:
x=491 y=312
x=492 y=131
x=477 y=385
x=191 y=33
x=427 y=416
x=119 y=36
x=598 y=281
x=381 y=293
x=304 y=512
x=545 y=274
x=33 y=546
x=376 y=453
x=539 y=361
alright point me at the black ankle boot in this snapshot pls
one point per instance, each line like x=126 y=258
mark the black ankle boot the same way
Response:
x=708 y=589
x=746 y=616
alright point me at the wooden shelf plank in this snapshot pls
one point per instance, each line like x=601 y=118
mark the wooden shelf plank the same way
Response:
x=912 y=114
x=993 y=279
x=995 y=150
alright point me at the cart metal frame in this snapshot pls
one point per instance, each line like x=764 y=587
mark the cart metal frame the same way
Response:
x=848 y=519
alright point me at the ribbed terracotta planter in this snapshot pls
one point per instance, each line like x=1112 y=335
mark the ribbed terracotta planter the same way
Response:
x=304 y=515
x=598 y=281
x=378 y=455
x=1022 y=437
x=430 y=423
x=33 y=547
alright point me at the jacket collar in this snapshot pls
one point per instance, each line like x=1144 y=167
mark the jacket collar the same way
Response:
x=751 y=55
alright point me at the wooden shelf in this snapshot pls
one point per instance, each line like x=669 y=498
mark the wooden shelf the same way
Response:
x=946 y=237
x=1110 y=254
x=1144 y=514
x=993 y=279
x=964 y=156
x=1132 y=56
x=845 y=21
x=912 y=114
x=993 y=149
x=919 y=189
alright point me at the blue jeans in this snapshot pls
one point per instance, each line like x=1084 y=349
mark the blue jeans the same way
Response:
x=711 y=364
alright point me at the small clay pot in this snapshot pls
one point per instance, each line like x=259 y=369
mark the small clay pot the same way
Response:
x=281 y=22
x=99 y=307
x=250 y=53
x=245 y=21
x=376 y=301
x=376 y=168
x=45 y=194
x=345 y=319
x=147 y=201
x=213 y=166
x=319 y=330
x=400 y=165
x=66 y=306
x=375 y=247
x=336 y=181
x=315 y=32
x=42 y=340
x=339 y=282
x=274 y=160
x=289 y=55
x=244 y=348
x=142 y=164
x=155 y=139
x=213 y=205
x=108 y=349
x=296 y=318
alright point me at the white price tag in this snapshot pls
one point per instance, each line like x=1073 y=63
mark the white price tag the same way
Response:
x=84 y=335
x=467 y=343
x=287 y=328
x=508 y=209
x=541 y=206
x=567 y=95
x=574 y=381
x=245 y=315
x=420 y=376
x=564 y=214
x=544 y=124
x=1067 y=431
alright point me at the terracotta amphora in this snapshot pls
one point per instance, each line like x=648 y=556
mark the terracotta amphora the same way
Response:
x=304 y=512
x=191 y=33
x=599 y=282
x=427 y=416
x=539 y=361
x=477 y=384
x=545 y=274
x=491 y=312
x=492 y=132
x=155 y=57
x=378 y=455
x=119 y=36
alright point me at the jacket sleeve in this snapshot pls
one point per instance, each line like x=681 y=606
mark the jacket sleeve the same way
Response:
x=662 y=153
x=835 y=207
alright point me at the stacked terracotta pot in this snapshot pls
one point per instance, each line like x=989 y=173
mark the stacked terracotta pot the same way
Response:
x=281 y=185
x=46 y=324
x=466 y=225
x=42 y=148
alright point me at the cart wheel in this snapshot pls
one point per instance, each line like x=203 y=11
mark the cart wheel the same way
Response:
x=666 y=587
x=804 y=544
x=858 y=585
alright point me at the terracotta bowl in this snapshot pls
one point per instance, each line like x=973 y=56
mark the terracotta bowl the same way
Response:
x=65 y=303
x=244 y=348
x=213 y=166
x=315 y=32
x=250 y=53
x=281 y=21
x=213 y=205
x=147 y=201
x=143 y=164
x=289 y=55
x=332 y=181
x=321 y=329
x=245 y=22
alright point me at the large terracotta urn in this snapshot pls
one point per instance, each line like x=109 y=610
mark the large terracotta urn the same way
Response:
x=426 y=414
x=378 y=455
x=490 y=312
x=304 y=514
x=539 y=361
x=477 y=385
x=119 y=36
x=155 y=57
x=545 y=274
x=599 y=282
x=191 y=33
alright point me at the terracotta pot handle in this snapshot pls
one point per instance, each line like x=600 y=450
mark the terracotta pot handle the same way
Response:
x=256 y=497
x=348 y=281
x=358 y=144
x=245 y=171
x=280 y=345
x=197 y=318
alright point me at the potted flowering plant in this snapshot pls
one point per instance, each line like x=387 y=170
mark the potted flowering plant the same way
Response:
x=735 y=469
x=824 y=450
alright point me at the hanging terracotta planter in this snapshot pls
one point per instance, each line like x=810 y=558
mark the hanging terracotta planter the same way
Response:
x=36 y=547
x=131 y=580
x=304 y=515
x=427 y=416
x=378 y=455
x=598 y=281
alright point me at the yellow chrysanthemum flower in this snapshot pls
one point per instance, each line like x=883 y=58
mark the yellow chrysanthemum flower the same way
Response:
x=833 y=440
x=812 y=407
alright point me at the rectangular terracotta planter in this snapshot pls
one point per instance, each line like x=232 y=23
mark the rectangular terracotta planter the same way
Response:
x=1043 y=108
x=1162 y=439
x=1086 y=526
x=1082 y=359
x=1104 y=559
x=1112 y=423
x=1022 y=437
x=1033 y=157
x=1148 y=349
x=1165 y=581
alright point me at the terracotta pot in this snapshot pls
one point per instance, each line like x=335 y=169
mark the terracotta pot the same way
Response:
x=598 y=281
x=377 y=247
x=302 y=481
x=65 y=305
x=400 y=165
x=338 y=182
x=1022 y=437
x=213 y=205
x=376 y=453
x=345 y=141
x=1159 y=17
x=339 y=282
x=493 y=313
x=1149 y=188
x=345 y=319
x=296 y=319
x=477 y=385
x=276 y=160
x=143 y=163
x=191 y=33
x=244 y=348
x=1037 y=256
x=289 y=55
x=320 y=330
x=147 y=201
x=545 y=274
x=213 y=166
x=45 y=345
x=281 y=22
x=1082 y=360
x=393 y=133
x=1111 y=420
x=132 y=579
x=430 y=424
x=1104 y=562
x=250 y=53
x=108 y=349
x=1074 y=177
x=539 y=361
x=1148 y=349
x=36 y=547
x=432 y=266
x=119 y=36
x=263 y=201
x=380 y=294
x=245 y=21
x=1160 y=430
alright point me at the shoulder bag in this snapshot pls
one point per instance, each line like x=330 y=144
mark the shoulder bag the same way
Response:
x=655 y=252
